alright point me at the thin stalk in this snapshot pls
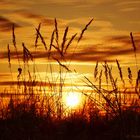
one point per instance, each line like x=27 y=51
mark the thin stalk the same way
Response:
x=134 y=48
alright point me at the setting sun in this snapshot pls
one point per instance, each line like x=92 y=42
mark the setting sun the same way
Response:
x=69 y=69
x=72 y=100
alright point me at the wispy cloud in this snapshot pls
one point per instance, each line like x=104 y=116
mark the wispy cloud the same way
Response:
x=130 y=9
x=3 y=75
x=128 y=2
x=29 y=83
x=102 y=25
x=99 y=52
x=125 y=40
x=6 y=24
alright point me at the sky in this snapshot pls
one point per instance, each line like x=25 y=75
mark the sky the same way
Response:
x=107 y=37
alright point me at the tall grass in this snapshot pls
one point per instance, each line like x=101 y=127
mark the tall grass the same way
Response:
x=41 y=114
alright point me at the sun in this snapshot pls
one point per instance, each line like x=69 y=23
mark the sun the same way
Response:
x=72 y=100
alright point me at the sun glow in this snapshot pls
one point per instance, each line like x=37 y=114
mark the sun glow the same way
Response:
x=72 y=100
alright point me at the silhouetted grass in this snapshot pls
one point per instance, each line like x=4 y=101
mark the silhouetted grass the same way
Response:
x=106 y=114
x=24 y=121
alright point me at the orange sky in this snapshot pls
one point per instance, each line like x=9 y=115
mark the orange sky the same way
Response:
x=106 y=39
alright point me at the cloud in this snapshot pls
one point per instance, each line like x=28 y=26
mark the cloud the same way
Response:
x=3 y=75
x=28 y=83
x=125 y=40
x=102 y=53
x=27 y=14
x=72 y=2
x=6 y=24
x=128 y=2
x=96 y=22
x=128 y=6
x=30 y=17
x=130 y=9
x=9 y=6
x=101 y=26
x=89 y=54
x=79 y=56
x=42 y=11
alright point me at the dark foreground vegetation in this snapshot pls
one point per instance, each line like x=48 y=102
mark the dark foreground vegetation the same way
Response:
x=25 y=122
x=106 y=114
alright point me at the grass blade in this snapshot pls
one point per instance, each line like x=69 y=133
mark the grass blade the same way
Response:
x=64 y=39
x=37 y=35
x=62 y=65
x=26 y=54
x=120 y=71
x=133 y=42
x=56 y=32
x=9 y=58
x=81 y=35
x=42 y=39
x=14 y=37
x=96 y=71
x=69 y=43
x=51 y=43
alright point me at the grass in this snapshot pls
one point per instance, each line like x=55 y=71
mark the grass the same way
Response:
x=26 y=122
x=32 y=114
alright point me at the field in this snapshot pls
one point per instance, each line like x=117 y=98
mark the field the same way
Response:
x=35 y=109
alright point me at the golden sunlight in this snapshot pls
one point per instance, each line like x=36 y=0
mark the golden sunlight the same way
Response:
x=72 y=100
